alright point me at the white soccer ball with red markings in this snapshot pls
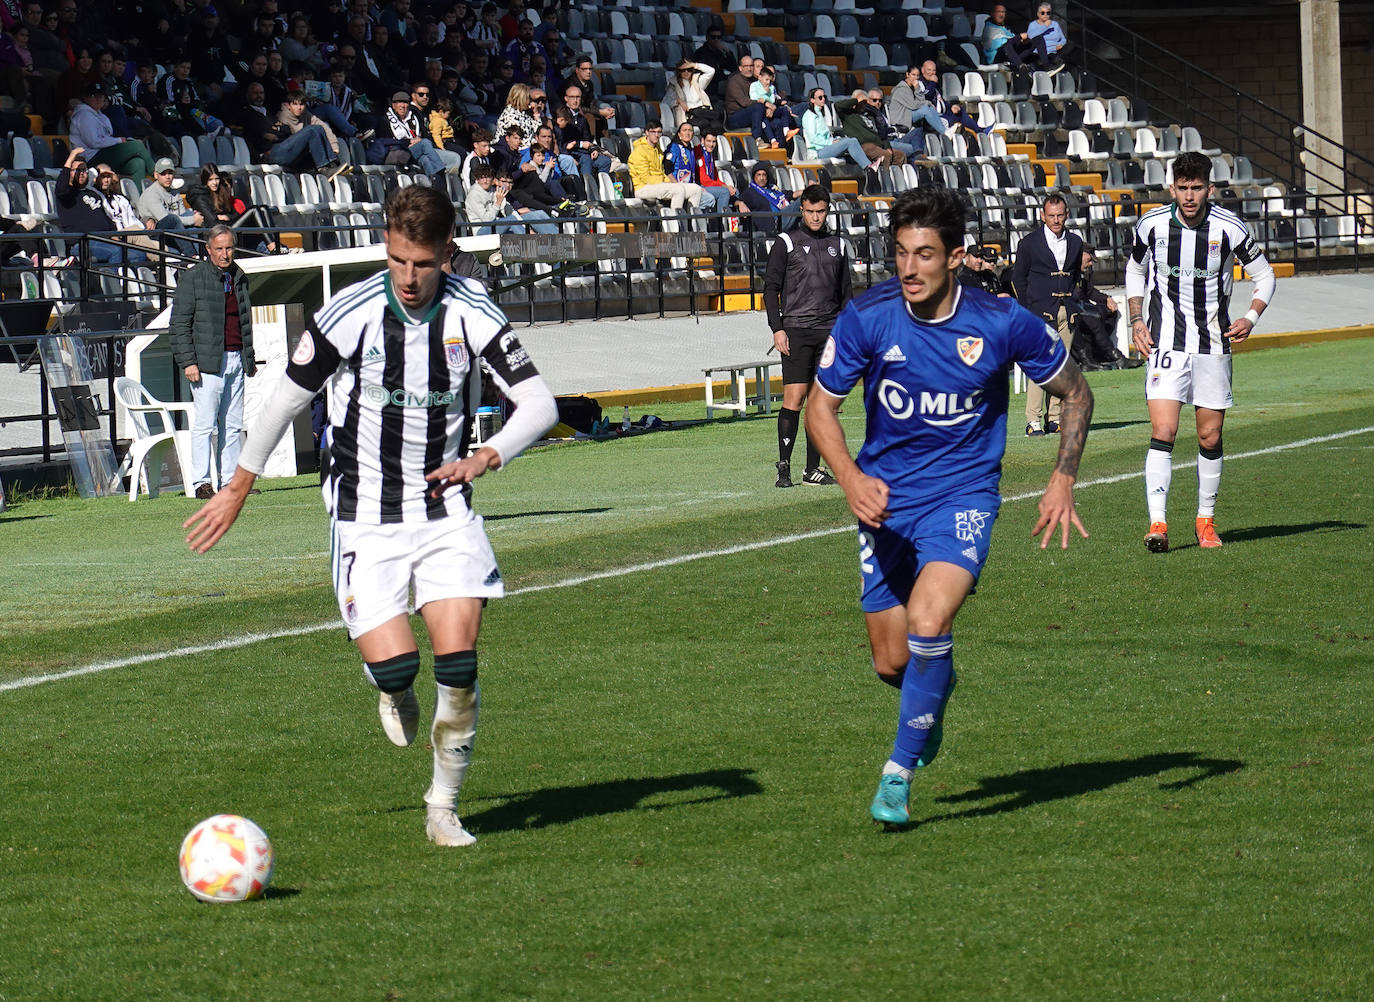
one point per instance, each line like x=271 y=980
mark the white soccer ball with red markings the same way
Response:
x=226 y=858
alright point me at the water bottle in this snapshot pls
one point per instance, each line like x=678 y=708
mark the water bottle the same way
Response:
x=625 y=420
x=619 y=187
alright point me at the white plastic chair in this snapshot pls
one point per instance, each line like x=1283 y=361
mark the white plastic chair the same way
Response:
x=149 y=451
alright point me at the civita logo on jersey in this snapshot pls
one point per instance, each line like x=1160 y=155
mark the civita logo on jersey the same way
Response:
x=942 y=410
x=401 y=397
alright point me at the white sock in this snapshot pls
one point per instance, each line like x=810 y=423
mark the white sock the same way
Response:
x=1208 y=484
x=1159 y=471
x=893 y=769
x=453 y=734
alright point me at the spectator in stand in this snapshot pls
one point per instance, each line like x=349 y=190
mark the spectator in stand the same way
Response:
x=489 y=204
x=520 y=113
x=300 y=45
x=556 y=52
x=881 y=125
x=399 y=20
x=521 y=49
x=183 y=114
x=342 y=98
x=646 y=172
x=486 y=34
x=541 y=77
x=92 y=131
x=364 y=76
x=510 y=21
x=49 y=53
x=502 y=78
x=441 y=126
x=481 y=155
x=819 y=142
x=403 y=141
x=77 y=81
x=686 y=96
x=295 y=118
x=82 y=209
x=714 y=53
x=598 y=115
x=390 y=59
x=1031 y=48
x=121 y=211
x=995 y=35
x=262 y=38
x=270 y=141
x=742 y=111
x=859 y=124
x=161 y=206
x=680 y=165
x=273 y=91
x=765 y=202
x=909 y=108
x=531 y=190
x=1056 y=42
x=210 y=47
x=708 y=177
x=509 y=151
x=777 y=126
x=954 y=114
x=560 y=171
x=31 y=88
x=574 y=141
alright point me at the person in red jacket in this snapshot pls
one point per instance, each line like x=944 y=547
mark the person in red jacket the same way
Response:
x=709 y=178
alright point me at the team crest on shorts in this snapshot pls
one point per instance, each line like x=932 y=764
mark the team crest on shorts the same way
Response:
x=456 y=352
x=970 y=349
x=350 y=610
x=969 y=525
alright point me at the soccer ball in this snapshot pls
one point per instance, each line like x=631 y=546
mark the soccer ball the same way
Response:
x=226 y=858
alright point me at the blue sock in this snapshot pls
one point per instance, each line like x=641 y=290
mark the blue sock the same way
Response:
x=925 y=688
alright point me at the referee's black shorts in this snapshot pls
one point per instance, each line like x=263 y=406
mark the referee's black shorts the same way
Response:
x=804 y=346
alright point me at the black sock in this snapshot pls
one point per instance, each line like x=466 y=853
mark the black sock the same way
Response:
x=788 y=423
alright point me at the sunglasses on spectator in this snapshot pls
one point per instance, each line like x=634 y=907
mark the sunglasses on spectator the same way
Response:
x=421 y=93
x=539 y=100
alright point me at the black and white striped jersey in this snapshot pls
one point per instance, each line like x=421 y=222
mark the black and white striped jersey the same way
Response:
x=403 y=393
x=1185 y=276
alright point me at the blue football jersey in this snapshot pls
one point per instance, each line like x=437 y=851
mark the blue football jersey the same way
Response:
x=935 y=392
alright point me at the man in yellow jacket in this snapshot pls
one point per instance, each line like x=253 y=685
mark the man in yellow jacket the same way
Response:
x=646 y=171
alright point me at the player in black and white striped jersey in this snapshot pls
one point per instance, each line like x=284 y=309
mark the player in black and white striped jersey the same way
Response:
x=401 y=351
x=1178 y=287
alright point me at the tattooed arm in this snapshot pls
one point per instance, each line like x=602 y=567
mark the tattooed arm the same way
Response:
x=1056 y=505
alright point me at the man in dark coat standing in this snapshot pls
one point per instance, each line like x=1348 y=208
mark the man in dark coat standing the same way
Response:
x=212 y=343
x=1046 y=273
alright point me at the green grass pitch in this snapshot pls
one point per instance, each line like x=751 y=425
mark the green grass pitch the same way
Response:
x=1155 y=781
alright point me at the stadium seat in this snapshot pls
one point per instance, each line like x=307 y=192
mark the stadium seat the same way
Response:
x=149 y=450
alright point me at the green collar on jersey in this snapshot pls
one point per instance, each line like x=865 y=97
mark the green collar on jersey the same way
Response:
x=402 y=313
x=1202 y=218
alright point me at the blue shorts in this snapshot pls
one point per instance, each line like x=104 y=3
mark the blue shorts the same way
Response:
x=955 y=531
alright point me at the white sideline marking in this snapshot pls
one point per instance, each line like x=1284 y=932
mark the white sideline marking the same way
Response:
x=232 y=643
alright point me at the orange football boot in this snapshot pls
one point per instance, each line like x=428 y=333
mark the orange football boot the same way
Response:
x=1207 y=537
x=1157 y=539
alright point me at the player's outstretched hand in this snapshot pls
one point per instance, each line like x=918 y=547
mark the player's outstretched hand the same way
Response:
x=1239 y=330
x=463 y=471
x=213 y=519
x=1057 y=511
x=867 y=497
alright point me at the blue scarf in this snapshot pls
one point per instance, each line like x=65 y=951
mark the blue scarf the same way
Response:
x=774 y=195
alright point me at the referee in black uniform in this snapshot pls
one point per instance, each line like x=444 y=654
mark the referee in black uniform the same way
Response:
x=805 y=284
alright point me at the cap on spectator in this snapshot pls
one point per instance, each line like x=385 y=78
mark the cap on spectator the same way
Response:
x=94 y=89
x=401 y=95
x=164 y=165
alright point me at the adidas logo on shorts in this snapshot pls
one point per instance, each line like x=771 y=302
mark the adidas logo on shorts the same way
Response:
x=493 y=577
x=971 y=554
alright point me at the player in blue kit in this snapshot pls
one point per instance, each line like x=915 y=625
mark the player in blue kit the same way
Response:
x=935 y=359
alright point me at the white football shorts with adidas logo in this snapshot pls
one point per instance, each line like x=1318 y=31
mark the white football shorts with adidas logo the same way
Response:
x=1200 y=380
x=374 y=567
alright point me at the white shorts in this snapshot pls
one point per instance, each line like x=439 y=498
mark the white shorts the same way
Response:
x=1200 y=380
x=374 y=567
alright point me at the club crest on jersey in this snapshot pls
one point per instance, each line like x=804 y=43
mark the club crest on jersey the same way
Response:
x=970 y=349
x=833 y=253
x=456 y=352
